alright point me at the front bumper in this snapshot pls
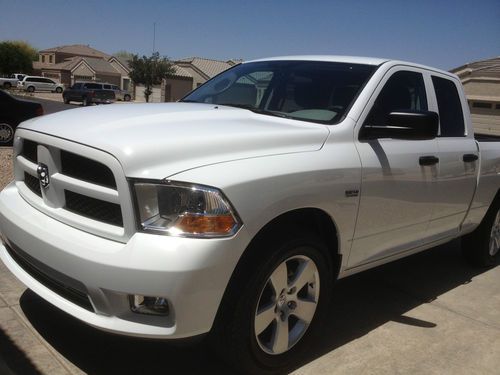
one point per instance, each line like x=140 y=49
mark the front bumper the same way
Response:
x=191 y=274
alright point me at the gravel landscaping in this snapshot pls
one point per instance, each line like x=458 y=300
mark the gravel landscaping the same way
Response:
x=6 y=173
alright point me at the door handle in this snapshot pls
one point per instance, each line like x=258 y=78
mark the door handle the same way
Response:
x=428 y=160
x=469 y=158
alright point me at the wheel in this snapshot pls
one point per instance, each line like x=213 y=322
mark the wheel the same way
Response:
x=274 y=307
x=6 y=133
x=59 y=90
x=482 y=247
x=66 y=100
x=31 y=89
x=7 y=85
x=126 y=97
x=86 y=101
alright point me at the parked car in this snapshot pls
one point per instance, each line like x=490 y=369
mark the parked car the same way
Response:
x=88 y=93
x=119 y=93
x=232 y=212
x=12 y=81
x=12 y=112
x=36 y=83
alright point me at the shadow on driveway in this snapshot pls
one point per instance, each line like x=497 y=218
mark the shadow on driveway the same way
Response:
x=13 y=361
x=361 y=303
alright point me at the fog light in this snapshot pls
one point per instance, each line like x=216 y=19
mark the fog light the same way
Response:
x=149 y=305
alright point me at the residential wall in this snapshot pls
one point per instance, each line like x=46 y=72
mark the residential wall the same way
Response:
x=84 y=71
x=198 y=79
x=176 y=88
x=154 y=98
x=108 y=78
x=482 y=87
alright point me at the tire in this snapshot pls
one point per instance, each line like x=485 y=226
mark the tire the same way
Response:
x=258 y=329
x=6 y=133
x=66 y=100
x=59 y=90
x=126 y=97
x=482 y=247
x=31 y=89
x=7 y=85
x=86 y=102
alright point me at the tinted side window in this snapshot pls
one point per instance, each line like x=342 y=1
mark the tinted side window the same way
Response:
x=404 y=91
x=451 y=117
x=77 y=86
x=115 y=87
x=29 y=79
x=94 y=86
x=49 y=81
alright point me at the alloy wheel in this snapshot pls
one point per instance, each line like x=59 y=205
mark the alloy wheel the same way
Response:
x=287 y=304
x=495 y=236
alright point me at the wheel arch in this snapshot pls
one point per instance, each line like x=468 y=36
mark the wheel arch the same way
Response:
x=309 y=219
x=313 y=220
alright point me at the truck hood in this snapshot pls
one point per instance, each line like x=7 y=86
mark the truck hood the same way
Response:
x=159 y=140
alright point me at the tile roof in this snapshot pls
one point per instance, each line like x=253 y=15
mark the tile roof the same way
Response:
x=488 y=67
x=78 y=49
x=181 y=72
x=100 y=65
x=208 y=67
x=67 y=64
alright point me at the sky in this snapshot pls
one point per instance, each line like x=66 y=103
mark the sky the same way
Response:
x=443 y=34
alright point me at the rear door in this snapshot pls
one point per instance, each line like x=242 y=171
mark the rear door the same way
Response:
x=397 y=191
x=458 y=158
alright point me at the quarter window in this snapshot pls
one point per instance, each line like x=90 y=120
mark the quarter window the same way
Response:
x=451 y=117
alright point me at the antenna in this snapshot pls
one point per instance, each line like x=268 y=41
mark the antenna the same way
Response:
x=154 y=36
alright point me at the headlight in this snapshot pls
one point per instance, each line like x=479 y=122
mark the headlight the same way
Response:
x=182 y=209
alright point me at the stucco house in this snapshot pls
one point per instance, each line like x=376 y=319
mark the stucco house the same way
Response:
x=78 y=62
x=190 y=73
x=481 y=81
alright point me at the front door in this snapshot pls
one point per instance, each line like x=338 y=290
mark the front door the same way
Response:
x=397 y=189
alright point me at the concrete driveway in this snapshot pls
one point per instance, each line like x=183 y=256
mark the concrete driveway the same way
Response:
x=427 y=314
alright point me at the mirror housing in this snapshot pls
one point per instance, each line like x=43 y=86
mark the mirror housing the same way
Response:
x=407 y=125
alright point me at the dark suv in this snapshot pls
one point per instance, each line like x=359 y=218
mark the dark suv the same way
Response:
x=88 y=93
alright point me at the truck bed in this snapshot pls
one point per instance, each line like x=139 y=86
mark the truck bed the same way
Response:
x=487 y=138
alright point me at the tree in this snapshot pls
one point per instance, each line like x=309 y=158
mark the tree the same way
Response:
x=150 y=71
x=16 y=56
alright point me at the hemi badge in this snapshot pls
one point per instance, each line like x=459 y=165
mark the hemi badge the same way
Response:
x=351 y=193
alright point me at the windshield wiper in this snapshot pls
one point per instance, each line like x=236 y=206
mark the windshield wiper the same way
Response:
x=255 y=110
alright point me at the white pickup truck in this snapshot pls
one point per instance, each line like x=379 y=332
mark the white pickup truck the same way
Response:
x=234 y=211
x=14 y=79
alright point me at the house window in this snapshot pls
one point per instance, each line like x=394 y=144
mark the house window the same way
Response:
x=43 y=58
x=50 y=58
x=481 y=105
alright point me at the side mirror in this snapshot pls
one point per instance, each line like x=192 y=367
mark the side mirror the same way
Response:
x=408 y=125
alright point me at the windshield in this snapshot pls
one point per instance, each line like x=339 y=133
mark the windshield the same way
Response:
x=304 y=90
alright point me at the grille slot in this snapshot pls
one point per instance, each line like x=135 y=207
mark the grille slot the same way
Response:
x=33 y=184
x=30 y=150
x=88 y=170
x=67 y=287
x=95 y=209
